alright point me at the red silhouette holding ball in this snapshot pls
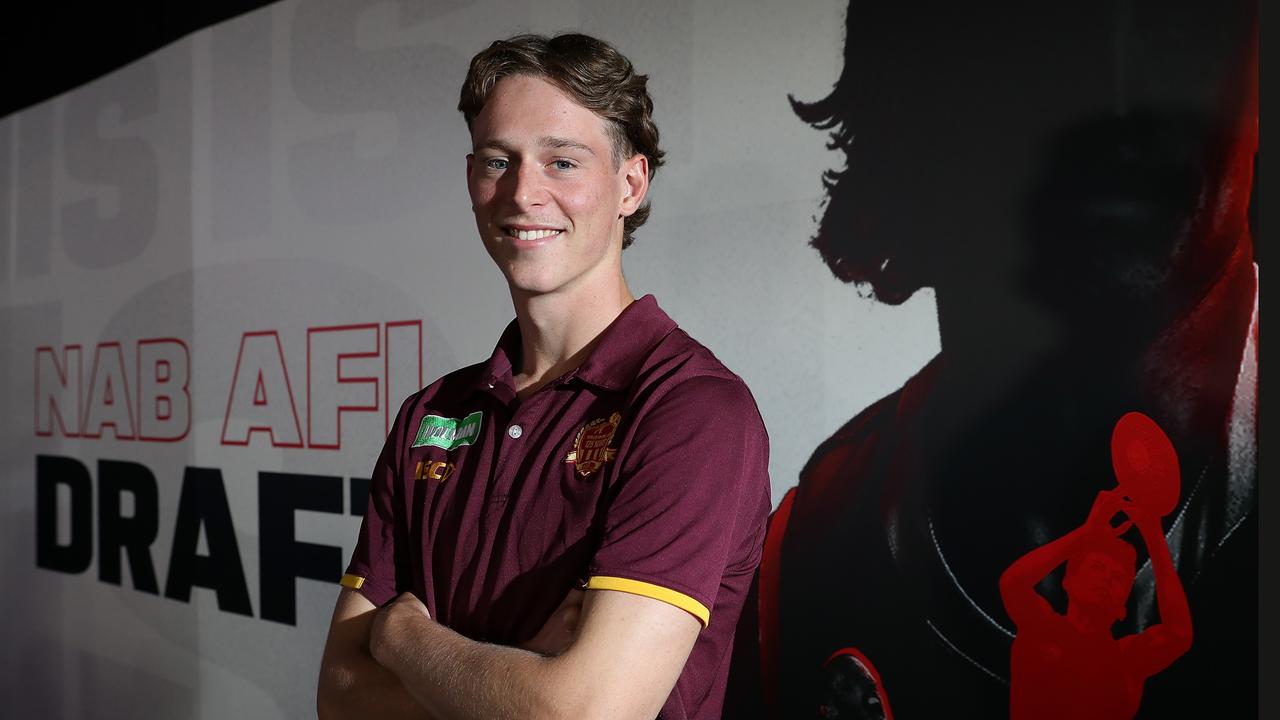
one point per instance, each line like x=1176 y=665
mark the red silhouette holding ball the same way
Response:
x=1071 y=665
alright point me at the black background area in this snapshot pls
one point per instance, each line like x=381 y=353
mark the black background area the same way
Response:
x=52 y=47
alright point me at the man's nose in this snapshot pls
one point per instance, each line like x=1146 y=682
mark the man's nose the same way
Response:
x=528 y=188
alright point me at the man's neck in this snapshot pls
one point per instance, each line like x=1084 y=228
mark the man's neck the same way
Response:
x=1088 y=624
x=558 y=330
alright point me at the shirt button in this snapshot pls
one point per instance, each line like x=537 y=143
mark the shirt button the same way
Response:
x=515 y=431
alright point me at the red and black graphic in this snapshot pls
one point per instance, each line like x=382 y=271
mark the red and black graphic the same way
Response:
x=1071 y=665
x=1074 y=181
x=852 y=688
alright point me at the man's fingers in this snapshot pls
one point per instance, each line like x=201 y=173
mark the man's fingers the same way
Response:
x=566 y=619
x=408 y=599
x=563 y=623
x=574 y=597
x=559 y=630
x=1105 y=507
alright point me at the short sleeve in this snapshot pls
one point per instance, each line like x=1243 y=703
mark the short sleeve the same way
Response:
x=689 y=504
x=372 y=570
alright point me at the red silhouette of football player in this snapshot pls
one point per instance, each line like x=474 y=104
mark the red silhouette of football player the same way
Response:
x=1071 y=665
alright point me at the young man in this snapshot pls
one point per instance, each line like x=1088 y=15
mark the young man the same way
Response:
x=599 y=447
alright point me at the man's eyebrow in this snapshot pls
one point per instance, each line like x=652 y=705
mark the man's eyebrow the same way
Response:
x=563 y=143
x=547 y=141
x=495 y=144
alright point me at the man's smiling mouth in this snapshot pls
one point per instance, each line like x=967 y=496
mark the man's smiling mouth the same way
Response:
x=537 y=234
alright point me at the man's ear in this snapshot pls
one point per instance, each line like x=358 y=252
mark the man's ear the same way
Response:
x=471 y=166
x=636 y=179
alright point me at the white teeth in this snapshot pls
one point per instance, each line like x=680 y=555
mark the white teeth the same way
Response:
x=534 y=234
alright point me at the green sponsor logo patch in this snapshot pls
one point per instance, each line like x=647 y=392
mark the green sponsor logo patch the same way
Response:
x=448 y=433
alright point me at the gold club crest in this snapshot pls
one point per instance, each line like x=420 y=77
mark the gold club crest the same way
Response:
x=591 y=448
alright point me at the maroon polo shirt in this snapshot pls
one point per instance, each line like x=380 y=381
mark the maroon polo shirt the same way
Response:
x=644 y=470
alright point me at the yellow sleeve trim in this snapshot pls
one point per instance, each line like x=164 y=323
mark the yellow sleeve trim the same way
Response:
x=352 y=581
x=657 y=592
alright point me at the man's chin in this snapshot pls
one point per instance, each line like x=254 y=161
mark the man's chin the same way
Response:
x=883 y=280
x=533 y=282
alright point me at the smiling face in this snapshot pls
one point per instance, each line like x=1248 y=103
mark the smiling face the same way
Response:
x=548 y=195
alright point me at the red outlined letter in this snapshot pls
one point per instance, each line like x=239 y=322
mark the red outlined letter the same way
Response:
x=260 y=365
x=58 y=389
x=108 y=397
x=402 y=366
x=330 y=390
x=164 y=395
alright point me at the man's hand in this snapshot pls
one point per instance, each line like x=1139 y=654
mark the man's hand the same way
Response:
x=383 y=631
x=1147 y=522
x=559 y=631
x=352 y=684
x=1105 y=507
x=555 y=636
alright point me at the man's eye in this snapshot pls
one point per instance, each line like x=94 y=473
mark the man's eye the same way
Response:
x=496 y=164
x=563 y=164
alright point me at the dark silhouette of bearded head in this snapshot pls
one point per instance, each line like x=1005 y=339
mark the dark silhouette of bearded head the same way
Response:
x=1066 y=149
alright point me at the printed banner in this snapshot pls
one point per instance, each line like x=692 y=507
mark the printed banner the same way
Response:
x=989 y=275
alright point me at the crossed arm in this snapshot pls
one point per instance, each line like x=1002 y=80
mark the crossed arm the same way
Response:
x=621 y=662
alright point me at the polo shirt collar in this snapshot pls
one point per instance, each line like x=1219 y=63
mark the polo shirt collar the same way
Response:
x=496 y=377
x=625 y=344
x=612 y=365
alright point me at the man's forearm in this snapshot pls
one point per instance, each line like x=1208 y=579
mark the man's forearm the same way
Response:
x=457 y=678
x=1026 y=572
x=1171 y=600
x=351 y=683
x=362 y=688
